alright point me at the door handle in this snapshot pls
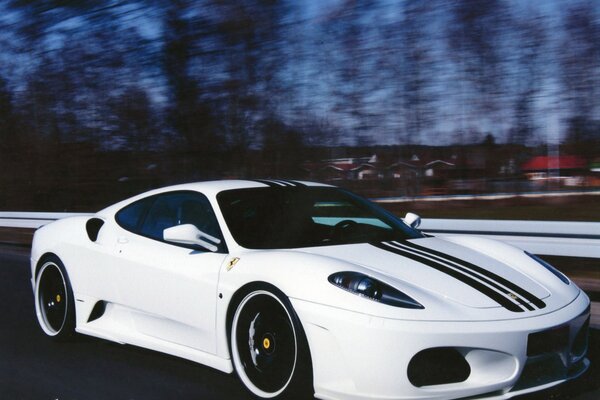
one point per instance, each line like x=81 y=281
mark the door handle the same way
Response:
x=122 y=240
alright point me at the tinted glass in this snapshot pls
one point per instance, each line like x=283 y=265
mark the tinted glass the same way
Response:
x=178 y=208
x=270 y=218
x=129 y=217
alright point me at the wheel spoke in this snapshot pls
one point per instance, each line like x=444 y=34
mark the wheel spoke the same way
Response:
x=52 y=298
x=266 y=343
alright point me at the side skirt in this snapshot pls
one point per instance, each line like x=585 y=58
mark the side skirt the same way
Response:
x=210 y=360
x=120 y=329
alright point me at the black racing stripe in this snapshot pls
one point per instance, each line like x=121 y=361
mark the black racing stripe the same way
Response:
x=266 y=182
x=486 y=290
x=279 y=182
x=295 y=183
x=285 y=183
x=508 y=284
x=467 y=271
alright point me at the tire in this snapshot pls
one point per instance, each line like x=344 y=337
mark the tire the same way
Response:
x=269 y=349
x=54 y=302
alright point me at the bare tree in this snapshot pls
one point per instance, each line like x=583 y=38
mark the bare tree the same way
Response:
x=476 y=36
x=530 y=73
x=418 y=74
x=352 y=32
x=579 y=55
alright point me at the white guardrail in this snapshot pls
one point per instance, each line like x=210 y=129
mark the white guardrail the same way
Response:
x=32 y=220
x=551 y=238
x=571 y=239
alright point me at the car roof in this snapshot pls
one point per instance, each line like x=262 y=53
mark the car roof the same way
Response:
x=212 y=188
x=221 y=185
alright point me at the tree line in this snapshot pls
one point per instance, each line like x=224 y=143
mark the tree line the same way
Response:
x=227 y=80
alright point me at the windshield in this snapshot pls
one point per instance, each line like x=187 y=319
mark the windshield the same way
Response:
x=277 y=218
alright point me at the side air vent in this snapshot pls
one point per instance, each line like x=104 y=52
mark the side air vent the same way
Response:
x=97 y=311
x=93 y=227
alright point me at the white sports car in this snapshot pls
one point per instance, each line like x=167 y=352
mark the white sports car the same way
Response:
x=301 y=287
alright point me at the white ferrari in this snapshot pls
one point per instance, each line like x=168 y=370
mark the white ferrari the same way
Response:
x=304 y=288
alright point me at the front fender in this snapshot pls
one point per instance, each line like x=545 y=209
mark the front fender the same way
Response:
x=300 y=276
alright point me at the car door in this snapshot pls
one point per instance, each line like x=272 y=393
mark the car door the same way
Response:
x=170 y=289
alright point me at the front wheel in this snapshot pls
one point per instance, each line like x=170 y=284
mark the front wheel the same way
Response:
x=54 y=303
x=269 y=349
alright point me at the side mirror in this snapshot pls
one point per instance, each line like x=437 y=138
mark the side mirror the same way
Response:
x=190 y=235
x=412 y=220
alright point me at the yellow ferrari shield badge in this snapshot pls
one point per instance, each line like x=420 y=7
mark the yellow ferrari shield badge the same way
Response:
x=232 y=263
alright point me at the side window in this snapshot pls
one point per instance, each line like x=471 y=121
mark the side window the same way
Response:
x=129 y=217
x=178 y=208
x=160 y=217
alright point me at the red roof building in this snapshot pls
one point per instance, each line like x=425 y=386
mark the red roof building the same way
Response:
x=544 y=163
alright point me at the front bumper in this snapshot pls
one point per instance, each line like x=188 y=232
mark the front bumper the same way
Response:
x=357 y=356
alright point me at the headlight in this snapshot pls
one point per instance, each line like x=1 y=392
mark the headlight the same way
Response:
x=550 y=268
x=372 y=289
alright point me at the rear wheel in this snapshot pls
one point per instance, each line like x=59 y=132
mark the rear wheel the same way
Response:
x=54 y=303
x=269 y=348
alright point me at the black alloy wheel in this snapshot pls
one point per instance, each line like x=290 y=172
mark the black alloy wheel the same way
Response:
x=268 y=346
x=54 y=300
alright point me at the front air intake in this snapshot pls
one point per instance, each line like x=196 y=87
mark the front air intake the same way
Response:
x=438 y=366
x=553 y=340
x=580 y=344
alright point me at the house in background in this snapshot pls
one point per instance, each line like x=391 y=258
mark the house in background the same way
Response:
x=428 y=170
x=568 y=170
x=352 y=168
x=416 y=167
x=411 y=176
x=402 y=170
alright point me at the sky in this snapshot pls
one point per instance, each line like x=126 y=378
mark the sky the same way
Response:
x=316 y=77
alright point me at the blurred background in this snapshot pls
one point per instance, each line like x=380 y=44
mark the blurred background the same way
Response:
x=484 y=109
x=406 y=99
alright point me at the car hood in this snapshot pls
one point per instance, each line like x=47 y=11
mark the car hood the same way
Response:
x=480 y=274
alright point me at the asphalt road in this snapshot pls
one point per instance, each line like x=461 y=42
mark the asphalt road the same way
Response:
x=33 y=366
